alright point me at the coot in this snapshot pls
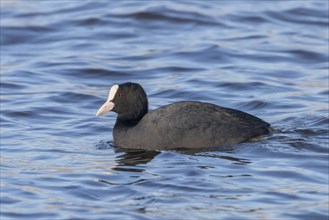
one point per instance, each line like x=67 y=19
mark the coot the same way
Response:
x=179 y=125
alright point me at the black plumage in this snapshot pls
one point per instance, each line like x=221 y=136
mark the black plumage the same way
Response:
x=178 y=125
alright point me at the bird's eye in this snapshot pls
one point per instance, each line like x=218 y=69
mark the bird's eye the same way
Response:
x=121 y=94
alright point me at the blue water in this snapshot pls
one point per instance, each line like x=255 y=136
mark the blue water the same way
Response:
x=59 y=59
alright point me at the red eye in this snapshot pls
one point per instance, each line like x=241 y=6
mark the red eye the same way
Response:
x=121 y=94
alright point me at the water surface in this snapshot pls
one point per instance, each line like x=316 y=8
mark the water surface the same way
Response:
x=58 y=60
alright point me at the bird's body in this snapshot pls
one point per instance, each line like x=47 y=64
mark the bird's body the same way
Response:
x=179 y=125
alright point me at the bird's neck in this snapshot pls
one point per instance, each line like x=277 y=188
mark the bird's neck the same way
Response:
x=131 y=119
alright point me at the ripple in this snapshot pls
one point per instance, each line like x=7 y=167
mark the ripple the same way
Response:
x=28 y=215
x=303 y=56
x=252 y=105
x=302 y=16
x=26 y=34
x=164 y=14
x=68 y=97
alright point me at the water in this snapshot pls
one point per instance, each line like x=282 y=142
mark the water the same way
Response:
x=58 y=60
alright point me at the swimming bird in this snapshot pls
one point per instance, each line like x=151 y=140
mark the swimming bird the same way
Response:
x=181 y=125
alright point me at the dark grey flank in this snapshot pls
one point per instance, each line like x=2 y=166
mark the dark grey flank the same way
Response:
x=179 y=125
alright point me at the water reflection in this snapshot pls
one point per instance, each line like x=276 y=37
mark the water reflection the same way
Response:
x=218 y=152
x=130 y=159
x=134 y=157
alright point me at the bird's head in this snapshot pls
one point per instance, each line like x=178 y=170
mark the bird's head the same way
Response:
x=129 y=100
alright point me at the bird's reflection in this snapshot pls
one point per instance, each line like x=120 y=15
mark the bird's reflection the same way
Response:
x=134 y=157
x=130 y=159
